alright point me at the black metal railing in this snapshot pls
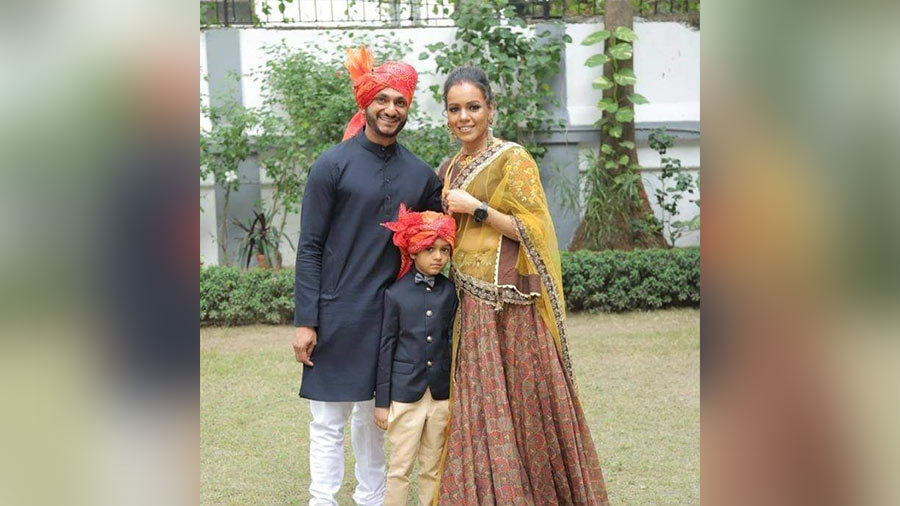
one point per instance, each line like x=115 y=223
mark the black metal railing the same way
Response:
x=323 y=12
x=393 y=12
x=653 y=7
x=573 y=9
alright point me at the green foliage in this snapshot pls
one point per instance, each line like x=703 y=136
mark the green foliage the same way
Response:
x=590 y=8
x=282 y=7
x=226 y=143
x=216 y=287
x=262 y=238
x=222 y=148
x=675 y=184
x=518 y=64
x=629 y=280
x=429 y=142
x=230 y=296
x=647 y=7
x=606 y=281
x=207 y=14
x=610 y=189
x=306 y=105
x=598 y=36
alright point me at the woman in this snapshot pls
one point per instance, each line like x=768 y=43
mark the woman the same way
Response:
x=517 y=433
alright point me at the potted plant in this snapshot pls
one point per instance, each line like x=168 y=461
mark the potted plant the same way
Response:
x=262 y=238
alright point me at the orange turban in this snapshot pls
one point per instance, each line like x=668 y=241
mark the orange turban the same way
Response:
x=368 y=81
x=414 y=232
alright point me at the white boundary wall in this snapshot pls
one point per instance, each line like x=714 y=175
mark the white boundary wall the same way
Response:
x=208 y=229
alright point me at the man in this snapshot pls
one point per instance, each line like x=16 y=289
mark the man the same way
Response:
x=345 y=260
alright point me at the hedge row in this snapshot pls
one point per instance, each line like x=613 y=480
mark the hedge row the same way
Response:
x=606 y=281
x=231 y=296
x=627 y=280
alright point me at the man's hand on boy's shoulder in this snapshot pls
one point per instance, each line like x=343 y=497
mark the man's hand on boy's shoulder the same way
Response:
x=381 y=417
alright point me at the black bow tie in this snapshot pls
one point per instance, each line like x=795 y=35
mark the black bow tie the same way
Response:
x=428 y=280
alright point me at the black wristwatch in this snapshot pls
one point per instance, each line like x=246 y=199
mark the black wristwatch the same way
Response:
x=480 y=214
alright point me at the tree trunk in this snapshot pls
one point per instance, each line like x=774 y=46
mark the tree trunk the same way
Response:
x=623 y=235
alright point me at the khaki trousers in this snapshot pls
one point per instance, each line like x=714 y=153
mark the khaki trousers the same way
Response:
x=415 y=430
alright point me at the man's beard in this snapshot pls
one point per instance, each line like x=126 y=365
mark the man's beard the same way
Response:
x=372 y=122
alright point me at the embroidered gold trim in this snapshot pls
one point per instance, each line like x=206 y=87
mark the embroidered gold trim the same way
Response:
x=488 y=292
x=497 y=275
x=552 y=293
x=477 y=164
x=497 y=260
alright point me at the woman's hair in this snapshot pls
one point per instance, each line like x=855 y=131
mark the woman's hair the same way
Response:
x=473 y=75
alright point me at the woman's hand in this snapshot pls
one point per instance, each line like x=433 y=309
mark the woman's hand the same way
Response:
x=460 y=201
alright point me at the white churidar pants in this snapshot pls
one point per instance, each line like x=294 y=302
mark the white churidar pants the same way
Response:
x=326 y=452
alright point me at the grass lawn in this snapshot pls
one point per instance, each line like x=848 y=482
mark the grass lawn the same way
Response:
x=638 y=376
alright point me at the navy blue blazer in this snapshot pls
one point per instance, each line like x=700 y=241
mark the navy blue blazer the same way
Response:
x=415 y=340
x=346 y=259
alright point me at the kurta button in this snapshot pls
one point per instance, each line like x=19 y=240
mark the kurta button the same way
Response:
x=428 y=339
x=428 y=363
x=427 y=288
x=428 y=313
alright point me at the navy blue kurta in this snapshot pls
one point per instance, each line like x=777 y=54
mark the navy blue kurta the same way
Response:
x=346 y=259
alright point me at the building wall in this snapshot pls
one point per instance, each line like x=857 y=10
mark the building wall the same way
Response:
x=208 y=248
x=667 y=65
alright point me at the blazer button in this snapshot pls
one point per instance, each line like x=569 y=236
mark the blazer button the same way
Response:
x=427 y=288
x=428 y=313
x=428 y=339
x=428 y=363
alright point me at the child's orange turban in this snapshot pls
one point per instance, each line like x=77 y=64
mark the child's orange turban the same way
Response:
x=368 y=81
x=414 y=232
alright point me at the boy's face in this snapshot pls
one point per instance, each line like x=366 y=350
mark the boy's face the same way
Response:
x=432 y=259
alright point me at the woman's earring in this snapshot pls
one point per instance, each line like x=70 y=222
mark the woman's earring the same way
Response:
x=450 y=132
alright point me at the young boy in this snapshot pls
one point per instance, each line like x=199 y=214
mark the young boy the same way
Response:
x=413 y=379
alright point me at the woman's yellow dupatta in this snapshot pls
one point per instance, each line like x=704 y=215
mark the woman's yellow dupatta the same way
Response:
x=507 y=178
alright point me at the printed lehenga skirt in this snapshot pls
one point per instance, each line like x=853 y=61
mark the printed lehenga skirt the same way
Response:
x=517 y=434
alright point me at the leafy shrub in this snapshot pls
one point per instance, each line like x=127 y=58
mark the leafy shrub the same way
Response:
x=605 y=280
x=230 y=296
x=492 y=35
x=431 y=143
x=628 y=280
